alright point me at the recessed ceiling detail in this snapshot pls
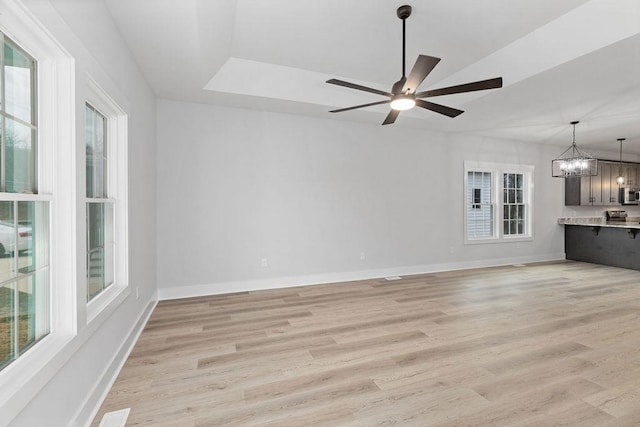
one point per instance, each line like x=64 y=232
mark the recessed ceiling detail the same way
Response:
x=560 y=60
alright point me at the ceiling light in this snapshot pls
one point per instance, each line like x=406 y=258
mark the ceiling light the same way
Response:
x=620 y=178
x=573 y=161
x=403 y=102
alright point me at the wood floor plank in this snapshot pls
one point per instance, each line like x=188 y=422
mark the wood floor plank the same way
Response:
x=541 y=344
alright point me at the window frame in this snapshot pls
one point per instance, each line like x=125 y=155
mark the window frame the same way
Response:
x=40 y=319
x=32 y=124
x=116 y=142
x=56 y=182
x=108 y=263
x=497 y=171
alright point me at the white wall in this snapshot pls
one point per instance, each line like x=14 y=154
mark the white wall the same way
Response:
x=86 y=31
x=311 y=195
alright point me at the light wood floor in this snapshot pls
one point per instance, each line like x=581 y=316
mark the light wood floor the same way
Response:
x=535 y=345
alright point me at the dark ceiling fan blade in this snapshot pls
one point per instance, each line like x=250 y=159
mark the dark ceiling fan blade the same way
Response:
x=467 y=87
x=397 y=86
x=421 y=69
x=357 y=87
x=391 y=117
x=447 y=111
x=360 y=106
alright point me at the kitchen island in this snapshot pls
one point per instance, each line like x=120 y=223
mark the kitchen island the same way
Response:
x=595 y=240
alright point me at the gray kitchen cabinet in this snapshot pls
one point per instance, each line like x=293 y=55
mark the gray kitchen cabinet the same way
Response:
x=583 y=191
x=631 y=176
x=601 y=189
x=596 y=186
x=609 y=184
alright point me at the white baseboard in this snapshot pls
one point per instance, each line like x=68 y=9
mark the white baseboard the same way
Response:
x=317 y=279
x=98 y=394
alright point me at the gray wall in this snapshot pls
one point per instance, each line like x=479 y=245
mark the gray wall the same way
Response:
x=312 y=195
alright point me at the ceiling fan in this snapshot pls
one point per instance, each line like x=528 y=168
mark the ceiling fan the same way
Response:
x=403 y=95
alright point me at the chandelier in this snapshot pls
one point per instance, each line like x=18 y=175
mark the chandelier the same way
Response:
x=573 y=161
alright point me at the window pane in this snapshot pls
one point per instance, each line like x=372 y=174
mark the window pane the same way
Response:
x=100 y=248
x=513 y=211
x=90 y=118
x=31 y=232
x=519 y=196
x=95 y=272
x=33 y=295
x=480 y=212
x=512 y=196
x=513 y=227
x=19 y=163
x=7 y=324
x=505 y=228
x=7 y=241
x=96 y=181
x=18 y=75
x=33 y=236
x=96 y=162
x=520 y=227
x=99 y=141
x=477 y=195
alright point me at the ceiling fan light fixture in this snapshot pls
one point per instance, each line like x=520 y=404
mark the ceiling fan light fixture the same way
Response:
x=403 y=102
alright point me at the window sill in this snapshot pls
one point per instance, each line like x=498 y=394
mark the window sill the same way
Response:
x=499 y=240
x=101 y=307
x=27 y=375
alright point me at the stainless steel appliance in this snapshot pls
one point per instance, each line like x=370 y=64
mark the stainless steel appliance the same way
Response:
x=616 y=216
x=629 y=196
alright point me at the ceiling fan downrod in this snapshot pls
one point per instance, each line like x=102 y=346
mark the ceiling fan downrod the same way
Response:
x=403 y=13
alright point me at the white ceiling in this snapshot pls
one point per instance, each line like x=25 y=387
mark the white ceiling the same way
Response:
x=561 y=60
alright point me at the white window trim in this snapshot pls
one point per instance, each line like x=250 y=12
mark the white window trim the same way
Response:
x=60 y=176
x=497 y=170
x=26 y=376
x=117 y=184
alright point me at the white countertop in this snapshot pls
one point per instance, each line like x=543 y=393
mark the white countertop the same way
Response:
x=599 y=222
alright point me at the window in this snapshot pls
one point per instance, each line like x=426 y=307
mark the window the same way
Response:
x=498 y=202
x=106 y=195
x=479 y=198
x=24 y=215
x=513 y=206
x=40 y=310
x=100 y=242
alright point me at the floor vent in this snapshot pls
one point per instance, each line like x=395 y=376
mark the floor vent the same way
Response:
x=115 y=418
x=393 y=278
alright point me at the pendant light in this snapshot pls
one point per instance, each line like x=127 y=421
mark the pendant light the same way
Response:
x=620 y=178
x=573 y=161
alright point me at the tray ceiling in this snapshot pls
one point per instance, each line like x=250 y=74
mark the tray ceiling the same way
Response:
x=560 y=60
